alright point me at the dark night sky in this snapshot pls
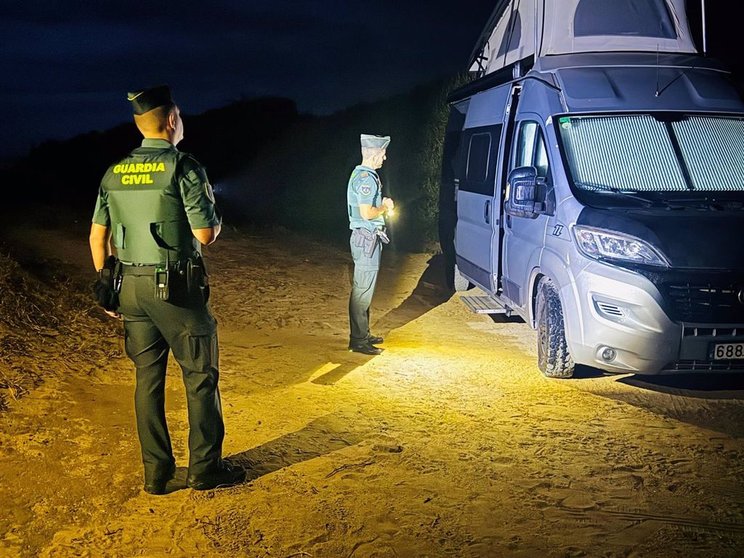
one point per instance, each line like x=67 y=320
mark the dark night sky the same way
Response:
x=66 y=65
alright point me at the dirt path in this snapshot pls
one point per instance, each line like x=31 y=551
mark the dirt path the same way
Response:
x=448 y=444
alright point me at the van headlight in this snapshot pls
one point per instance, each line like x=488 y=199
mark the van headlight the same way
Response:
x=600 y=244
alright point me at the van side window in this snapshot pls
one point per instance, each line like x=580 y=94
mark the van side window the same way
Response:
x=531 y=151
x=479 y=156
x=541 y=157
x=525 y=144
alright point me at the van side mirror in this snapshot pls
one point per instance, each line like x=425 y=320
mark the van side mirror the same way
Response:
x=526 y=193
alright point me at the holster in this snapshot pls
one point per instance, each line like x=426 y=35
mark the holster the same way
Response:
x=382 y=235
x=108 y=284
x=197 y=278
x=366 y=240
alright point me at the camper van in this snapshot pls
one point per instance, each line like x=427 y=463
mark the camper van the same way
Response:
x=597 y=169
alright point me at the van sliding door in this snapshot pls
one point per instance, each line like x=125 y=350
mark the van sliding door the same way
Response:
x=478 y=197
x=476 y=211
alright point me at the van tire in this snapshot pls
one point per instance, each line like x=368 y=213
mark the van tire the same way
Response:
x=553 y=357
x=461 y=282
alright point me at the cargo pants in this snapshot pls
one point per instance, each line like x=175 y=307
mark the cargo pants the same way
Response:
x=366 y=268
x=186 y=327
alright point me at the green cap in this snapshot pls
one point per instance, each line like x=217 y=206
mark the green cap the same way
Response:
x=375 y=142
x=148 y=99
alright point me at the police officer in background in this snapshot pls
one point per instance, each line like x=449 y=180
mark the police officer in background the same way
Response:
x=366 y=209
x=155 y=210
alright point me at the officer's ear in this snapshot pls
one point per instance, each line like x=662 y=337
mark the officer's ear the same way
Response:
x=172 y=118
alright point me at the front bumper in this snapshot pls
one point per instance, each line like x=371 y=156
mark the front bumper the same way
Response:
x=619 y=321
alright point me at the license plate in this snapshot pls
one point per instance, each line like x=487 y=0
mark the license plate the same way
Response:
x=727 y=351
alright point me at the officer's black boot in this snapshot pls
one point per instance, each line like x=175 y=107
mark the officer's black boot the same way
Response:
x=365 y=348
x=226 y=475
x=157 y=484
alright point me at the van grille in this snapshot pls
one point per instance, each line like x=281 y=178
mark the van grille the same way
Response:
x=727 y=332
x=704 y=302
x=701 y=298
x=705 y=366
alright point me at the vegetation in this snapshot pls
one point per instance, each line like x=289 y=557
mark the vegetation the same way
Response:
x=270 y=165
x=47 y=327
x=300 y=180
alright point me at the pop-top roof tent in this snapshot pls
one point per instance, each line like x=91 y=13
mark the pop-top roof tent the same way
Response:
x=577 y=26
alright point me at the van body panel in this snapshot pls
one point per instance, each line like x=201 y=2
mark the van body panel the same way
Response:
x=521 y=256
x=487 y=108
x=645 y=89
x=474 y=239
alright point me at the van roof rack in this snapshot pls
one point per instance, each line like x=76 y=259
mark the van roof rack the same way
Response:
x=506 y=74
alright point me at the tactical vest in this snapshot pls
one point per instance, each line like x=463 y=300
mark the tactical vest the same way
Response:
x=148 y=220
x=352 y=201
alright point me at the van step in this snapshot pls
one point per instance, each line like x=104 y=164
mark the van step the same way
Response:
x=483 y=305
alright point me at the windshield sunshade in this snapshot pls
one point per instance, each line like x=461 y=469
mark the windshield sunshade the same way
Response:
x=641 y=153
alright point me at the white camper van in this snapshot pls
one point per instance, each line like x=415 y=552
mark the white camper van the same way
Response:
x=598 y=172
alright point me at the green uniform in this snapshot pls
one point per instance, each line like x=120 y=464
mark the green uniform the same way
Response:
x=364 y=188
x=151 y=200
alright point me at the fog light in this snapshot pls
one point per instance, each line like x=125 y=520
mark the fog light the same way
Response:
x=608 y=354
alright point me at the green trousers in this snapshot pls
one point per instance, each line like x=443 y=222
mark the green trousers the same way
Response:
x=152 y=328
x=366 y=269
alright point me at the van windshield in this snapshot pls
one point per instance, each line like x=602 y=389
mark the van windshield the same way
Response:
x=654 y=156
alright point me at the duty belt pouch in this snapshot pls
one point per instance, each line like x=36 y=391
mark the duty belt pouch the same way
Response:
x=358 y=238
x=108 y=284
x=162 y=283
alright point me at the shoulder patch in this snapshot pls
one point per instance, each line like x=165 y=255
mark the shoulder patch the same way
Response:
x=364 y=174
x=365 y=189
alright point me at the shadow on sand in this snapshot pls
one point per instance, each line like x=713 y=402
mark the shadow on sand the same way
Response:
x=322 y=436
x=703 y=386
x=709 y=401
x=430 y=291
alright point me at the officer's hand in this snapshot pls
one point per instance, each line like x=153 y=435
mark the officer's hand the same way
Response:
x=388 y=203
x=114 y=315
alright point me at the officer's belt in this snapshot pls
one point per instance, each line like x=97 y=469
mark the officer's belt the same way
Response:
x=134 y=269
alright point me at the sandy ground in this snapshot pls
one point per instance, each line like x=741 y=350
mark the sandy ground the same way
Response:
x=450 y=443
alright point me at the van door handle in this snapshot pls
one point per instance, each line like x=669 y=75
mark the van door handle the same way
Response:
x=487 y=212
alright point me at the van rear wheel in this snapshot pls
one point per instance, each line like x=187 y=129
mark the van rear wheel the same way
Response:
x=553 y=357
x=461 y=282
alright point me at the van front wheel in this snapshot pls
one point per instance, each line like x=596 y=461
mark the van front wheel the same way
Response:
x=553 y=357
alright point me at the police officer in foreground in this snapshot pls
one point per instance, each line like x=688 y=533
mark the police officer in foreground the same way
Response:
x=367 y=209
x=155 y=210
